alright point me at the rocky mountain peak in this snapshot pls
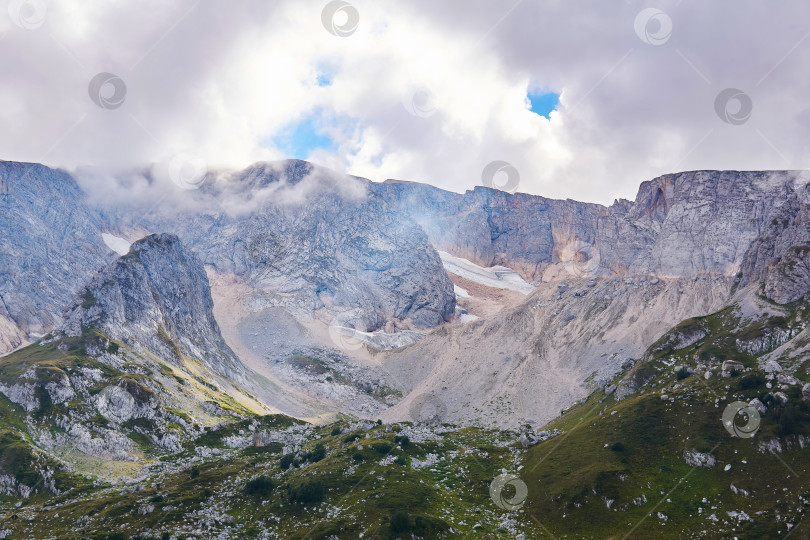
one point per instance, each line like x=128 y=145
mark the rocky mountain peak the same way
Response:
x=679 y=225
x=317 y=243
x=157 y=297
x=49 y=247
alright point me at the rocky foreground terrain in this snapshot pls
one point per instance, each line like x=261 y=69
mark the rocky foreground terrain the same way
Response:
x=651 y=453
x=285 y=353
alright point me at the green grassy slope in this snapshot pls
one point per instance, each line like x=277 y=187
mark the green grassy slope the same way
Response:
x=619 y=470
x=362 y=481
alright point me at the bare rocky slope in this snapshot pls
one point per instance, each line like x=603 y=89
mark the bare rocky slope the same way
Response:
x=156 y=297
x=613 y=279
x=50 y=245
x=526 y=364
x=334 y=251
x=137 y=367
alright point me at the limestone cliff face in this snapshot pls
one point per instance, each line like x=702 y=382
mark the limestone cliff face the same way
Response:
x=50 y=245
x=789 y=280
x=315 y=241
x=490 y=227
x=698 y=222
x=156 y=297
x=365 y=247
x=680 y=225
x=779 y=255
x=307 y=239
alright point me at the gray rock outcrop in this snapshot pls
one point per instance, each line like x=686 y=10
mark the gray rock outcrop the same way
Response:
x=698 y=459
x=789 y=280
x=683 y=224
x=315 y=240
x=156 y=296
x=50 y=245
x=312 y=239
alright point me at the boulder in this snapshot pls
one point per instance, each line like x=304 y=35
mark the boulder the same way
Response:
x=728 y=365
x=781 y=378
x=772 y=366
x=698 y=459
x=758 y=405
x=527 y=437
x=628 y=363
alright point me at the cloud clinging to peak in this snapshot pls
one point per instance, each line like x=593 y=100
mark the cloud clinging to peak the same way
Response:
x=423 y=91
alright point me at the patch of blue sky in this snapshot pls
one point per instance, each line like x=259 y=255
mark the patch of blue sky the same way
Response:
x=543 y=103
x=300 y=139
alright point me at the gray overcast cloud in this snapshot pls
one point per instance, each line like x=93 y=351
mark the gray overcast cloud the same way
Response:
x=423 y=91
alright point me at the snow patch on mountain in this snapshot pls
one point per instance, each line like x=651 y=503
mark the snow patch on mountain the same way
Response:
x=379 y=339
x=116 y=243
x=499 y=277
x=460 y=292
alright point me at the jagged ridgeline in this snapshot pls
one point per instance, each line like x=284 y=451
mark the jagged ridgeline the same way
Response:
x=306 y=238
x=591 y=399
x=156 y=297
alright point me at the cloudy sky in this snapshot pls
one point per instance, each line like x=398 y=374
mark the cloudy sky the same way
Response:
x=583 y=99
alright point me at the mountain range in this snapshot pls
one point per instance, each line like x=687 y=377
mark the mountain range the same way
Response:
x=287 y=307
x=299 y=250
